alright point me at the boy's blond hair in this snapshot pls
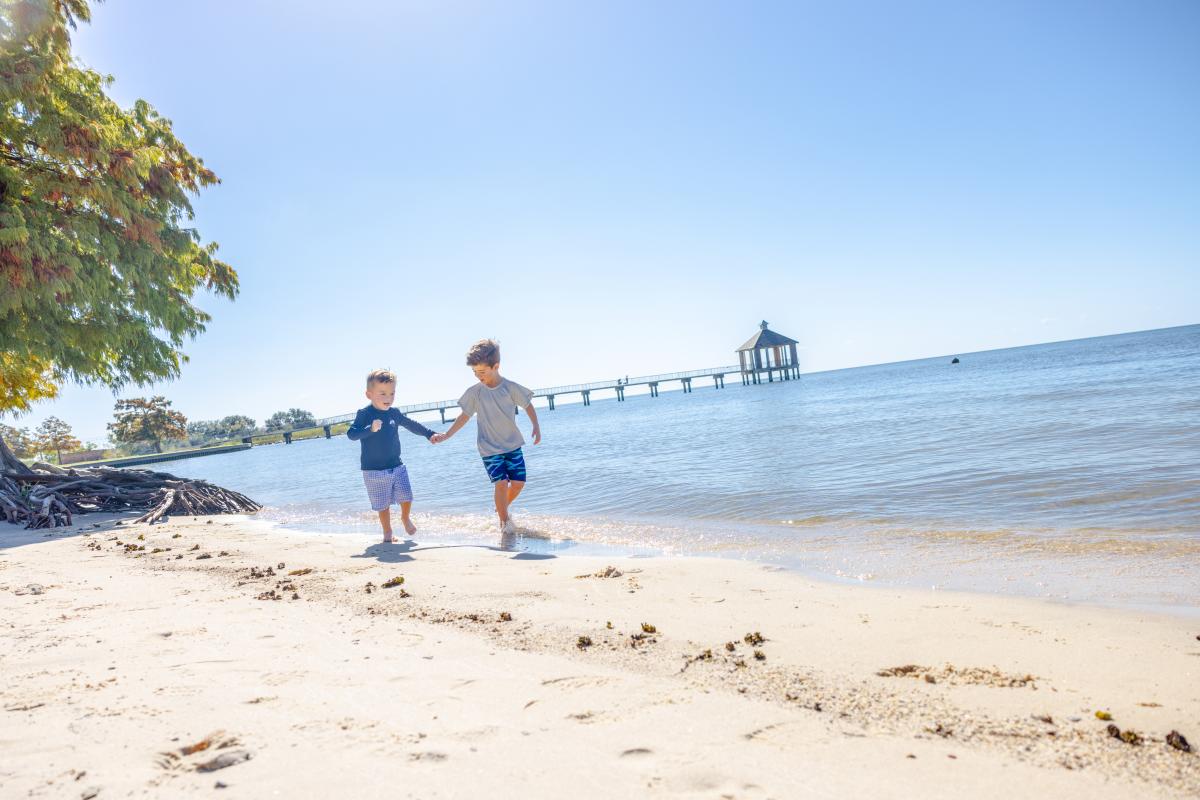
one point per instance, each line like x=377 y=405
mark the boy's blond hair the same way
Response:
x=485 y=351
x=380 y=376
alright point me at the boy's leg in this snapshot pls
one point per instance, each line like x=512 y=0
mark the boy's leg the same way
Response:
x=403 y=496
x=502 y=488
x=378 y=485
x=409 y=527
x=497 y=474
x=385 y=519
x=514 y=465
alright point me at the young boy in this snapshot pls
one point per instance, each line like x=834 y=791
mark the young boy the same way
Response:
x=383 y=472
x=495 y=400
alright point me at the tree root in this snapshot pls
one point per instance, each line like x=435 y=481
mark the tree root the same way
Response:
x=47 y=498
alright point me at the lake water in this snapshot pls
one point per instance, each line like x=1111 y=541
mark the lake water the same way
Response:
x=1067 y=470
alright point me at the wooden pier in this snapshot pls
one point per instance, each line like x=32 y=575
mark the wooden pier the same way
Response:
x=551 y=394
x=764 y=355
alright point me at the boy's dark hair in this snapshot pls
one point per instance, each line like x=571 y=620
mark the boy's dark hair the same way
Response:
x=380 y=376
x=485 y=351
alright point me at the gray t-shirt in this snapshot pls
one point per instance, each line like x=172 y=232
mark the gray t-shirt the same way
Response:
x=496 y=408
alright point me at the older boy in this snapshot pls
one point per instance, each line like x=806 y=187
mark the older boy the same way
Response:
x=495 y=400
x=377 y=428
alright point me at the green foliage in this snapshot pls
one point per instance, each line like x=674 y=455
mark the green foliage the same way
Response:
x=292 y=418
x=201 y=431
x=54 y=436
x=19 y=439
x=97 y=263
x=138 y=420
x=234 y=426
x=312 y=433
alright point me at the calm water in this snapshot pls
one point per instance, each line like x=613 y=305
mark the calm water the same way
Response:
x=1067 y=470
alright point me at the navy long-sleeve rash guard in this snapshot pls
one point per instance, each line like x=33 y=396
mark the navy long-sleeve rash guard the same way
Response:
x=381 y=450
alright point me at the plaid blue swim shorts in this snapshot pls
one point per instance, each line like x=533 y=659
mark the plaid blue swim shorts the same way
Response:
x=506 y=466
x=387 y=486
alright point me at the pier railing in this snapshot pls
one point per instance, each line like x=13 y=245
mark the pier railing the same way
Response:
x=644 y=380
x=619 y=385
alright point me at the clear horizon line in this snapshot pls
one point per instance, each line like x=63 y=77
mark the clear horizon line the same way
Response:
x=951 y=354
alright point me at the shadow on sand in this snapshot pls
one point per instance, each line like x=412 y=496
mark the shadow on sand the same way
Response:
x=400 y=552
x=12 y=535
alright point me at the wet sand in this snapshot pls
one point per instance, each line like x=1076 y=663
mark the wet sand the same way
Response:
x=200 y=661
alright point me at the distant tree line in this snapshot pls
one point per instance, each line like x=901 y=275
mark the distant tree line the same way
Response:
x=146 y=425
x=235 y=426
x=292 y=418
x=53 y=436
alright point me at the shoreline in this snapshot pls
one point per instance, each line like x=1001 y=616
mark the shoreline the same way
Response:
x=128 y=649
x=582 y=548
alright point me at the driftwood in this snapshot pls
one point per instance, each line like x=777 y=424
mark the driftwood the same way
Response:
x=47 y=498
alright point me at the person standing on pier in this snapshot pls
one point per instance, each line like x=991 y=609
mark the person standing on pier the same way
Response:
x=377 y=429
x=495 y=399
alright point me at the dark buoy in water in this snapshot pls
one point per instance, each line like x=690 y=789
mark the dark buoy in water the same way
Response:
x=954 y=360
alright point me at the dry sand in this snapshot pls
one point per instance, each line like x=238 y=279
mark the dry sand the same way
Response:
x=117 y=659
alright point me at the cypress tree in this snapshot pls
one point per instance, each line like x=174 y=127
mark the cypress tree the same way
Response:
x=98 y=263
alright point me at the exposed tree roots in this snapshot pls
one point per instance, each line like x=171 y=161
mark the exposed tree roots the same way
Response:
x=48 y=496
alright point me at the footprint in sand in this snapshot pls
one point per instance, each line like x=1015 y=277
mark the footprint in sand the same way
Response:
x=279 y=678
x=579 y=681
x=475 y=734
x=637 y=752
x=780 y=734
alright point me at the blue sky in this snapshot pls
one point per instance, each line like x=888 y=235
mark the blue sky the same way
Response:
x=628 y=188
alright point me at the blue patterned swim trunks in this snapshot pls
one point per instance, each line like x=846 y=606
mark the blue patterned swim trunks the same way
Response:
x=506 y=466
x=386 y=487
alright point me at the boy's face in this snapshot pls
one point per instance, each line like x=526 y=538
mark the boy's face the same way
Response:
x=489 y=375
x=382 y=395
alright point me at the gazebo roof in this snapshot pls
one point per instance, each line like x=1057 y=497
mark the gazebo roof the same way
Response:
x=765 y=338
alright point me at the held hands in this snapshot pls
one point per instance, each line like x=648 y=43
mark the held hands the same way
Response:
x=438 y=438
x=376 y=425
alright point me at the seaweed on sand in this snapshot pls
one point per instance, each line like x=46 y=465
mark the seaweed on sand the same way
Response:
x=1175 y=739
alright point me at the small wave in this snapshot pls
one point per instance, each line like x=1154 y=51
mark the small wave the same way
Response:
x=813 y=521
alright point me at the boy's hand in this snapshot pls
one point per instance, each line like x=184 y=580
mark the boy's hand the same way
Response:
x=437 y=438
x=376 y=425
x=537 y=435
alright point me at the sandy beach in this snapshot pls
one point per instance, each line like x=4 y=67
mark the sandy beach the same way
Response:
x=220 y=653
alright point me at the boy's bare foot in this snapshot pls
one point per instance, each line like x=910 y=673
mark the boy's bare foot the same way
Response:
x=387 y=538
x=409 y=528
x=508 y=528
